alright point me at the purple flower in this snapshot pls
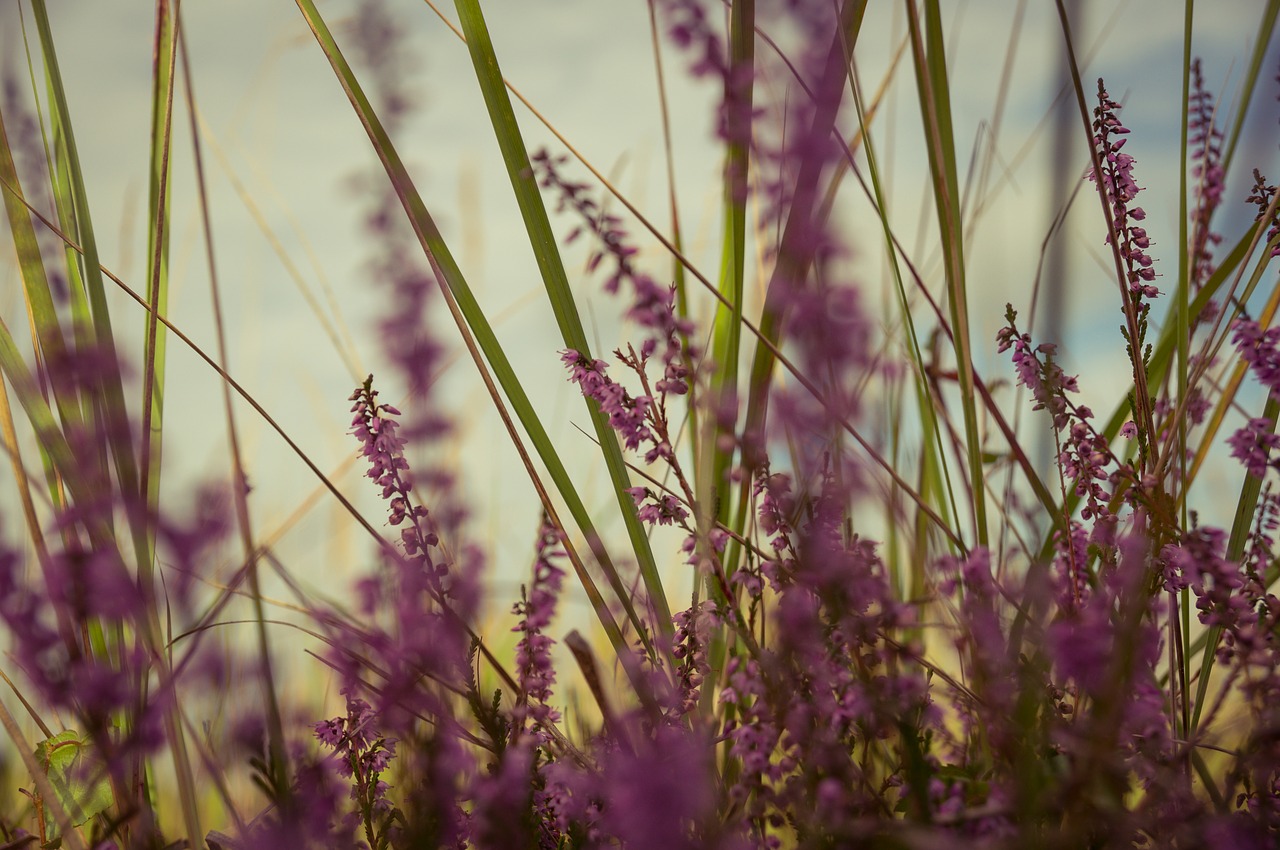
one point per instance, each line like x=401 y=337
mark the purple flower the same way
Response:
x=1046 y=380
x=627 y=415
x=653 y=304
x=1261 y=197
x=1254 y=445
x=1116 y=181
x=1205 y=142
x=655 y=509
x=534 y=669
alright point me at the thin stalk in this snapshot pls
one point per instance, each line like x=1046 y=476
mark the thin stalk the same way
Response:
x=277 y=752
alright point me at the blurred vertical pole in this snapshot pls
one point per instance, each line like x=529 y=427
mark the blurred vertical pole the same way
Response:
x=1066 y=135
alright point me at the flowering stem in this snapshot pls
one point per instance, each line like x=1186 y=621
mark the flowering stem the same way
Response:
x=1142 y=396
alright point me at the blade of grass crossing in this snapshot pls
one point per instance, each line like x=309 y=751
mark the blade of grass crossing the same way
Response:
x=713 y=460
x=471 y=315
x=546 y=251
x=1183 y=340
x=1266 y=26
x=936 y=457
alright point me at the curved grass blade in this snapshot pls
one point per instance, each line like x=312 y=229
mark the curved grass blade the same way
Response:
x=455 y=286
x=538 y=227
x=153 y=355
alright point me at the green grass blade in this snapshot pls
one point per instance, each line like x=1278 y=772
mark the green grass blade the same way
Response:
x=114 y=409
x=51 y=344
x=153 y=356
x=934 y=457
x=102 y=335
x=792 y=264
x=538 y=228
x=927 y=50
x=447 y=271
x=1266 y=26
x=726 y=338
x=1240 y=528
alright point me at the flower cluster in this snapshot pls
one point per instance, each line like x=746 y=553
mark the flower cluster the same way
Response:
x=689 y=647
x=657 y=509
x=1257 y=446
x=1261 y=196
x=363 y=755
x=1116 y=180
x=653 y=305
x=628 y=415
x=1205 y=142
x=535 y=672
x=375 y=428
x=1046 y=380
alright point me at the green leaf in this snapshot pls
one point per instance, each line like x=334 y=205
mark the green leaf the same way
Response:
x=77 y=776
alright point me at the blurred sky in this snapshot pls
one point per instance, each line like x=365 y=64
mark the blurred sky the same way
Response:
x=274 y=109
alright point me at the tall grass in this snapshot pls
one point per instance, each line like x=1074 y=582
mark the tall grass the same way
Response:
x=834 y=599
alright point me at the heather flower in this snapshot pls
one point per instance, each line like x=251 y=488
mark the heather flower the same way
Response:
x=657 y=509
x=363 y=756
x=1108 y=648
x=1071 y=559
x=718 y=538
x=627 y=415
x=689 y=647
x=1120 y=188
x=376 y=429
x=1254 y=445
x=659 y=793
x=511 y=806
x=1205 y=141
x=534 y=670
x=1261 y=196
x=1261 y=350
x=753 y=736
x=981 y=639
x=1046 y=380
x=653 y=304
x=1083 y=459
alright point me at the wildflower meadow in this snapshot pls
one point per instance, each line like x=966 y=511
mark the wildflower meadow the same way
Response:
x=822 y=471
